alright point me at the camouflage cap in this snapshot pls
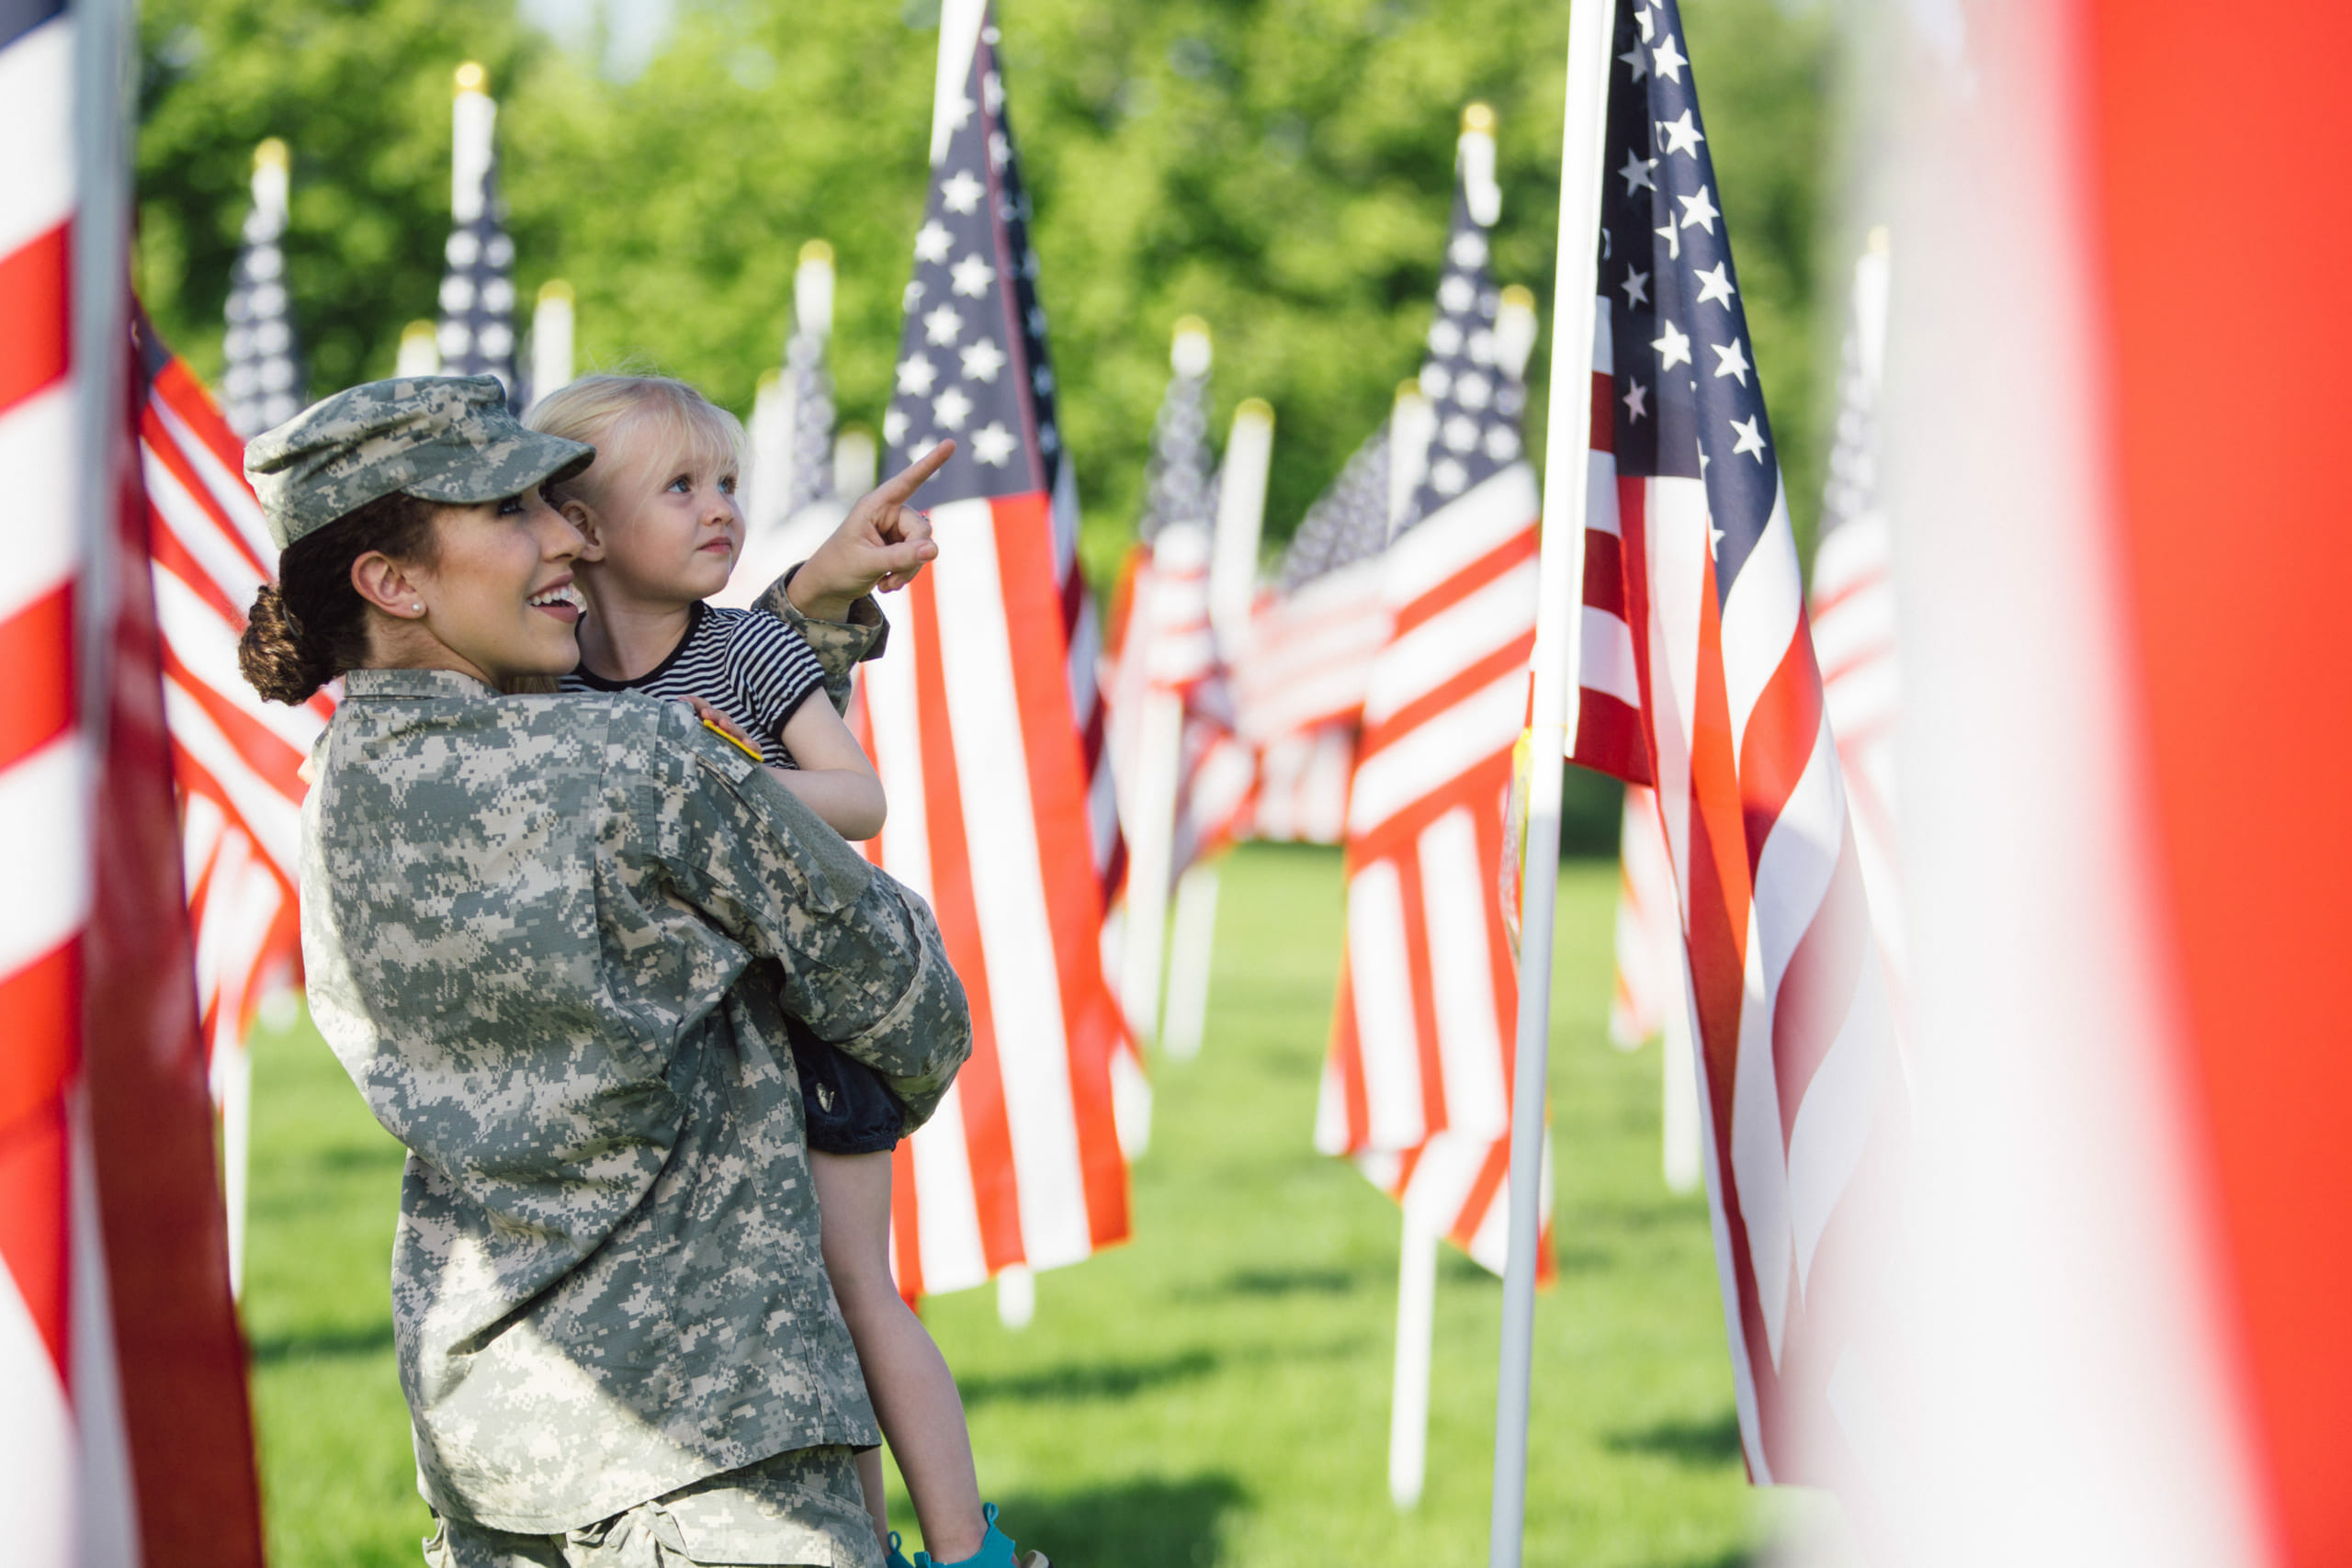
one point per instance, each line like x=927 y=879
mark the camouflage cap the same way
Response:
x=443 y=438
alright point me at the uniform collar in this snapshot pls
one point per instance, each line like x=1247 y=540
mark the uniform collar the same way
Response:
x=379 y=683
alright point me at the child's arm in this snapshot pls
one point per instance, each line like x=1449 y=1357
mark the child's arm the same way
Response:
x=834 y=779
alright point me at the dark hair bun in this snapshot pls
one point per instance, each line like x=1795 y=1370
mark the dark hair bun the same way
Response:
x=273 y=654
x=311 y=626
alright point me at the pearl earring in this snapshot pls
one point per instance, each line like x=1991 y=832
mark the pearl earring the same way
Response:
x=418 y=608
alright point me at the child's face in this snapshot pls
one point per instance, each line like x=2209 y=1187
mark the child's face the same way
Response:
x=666 y=518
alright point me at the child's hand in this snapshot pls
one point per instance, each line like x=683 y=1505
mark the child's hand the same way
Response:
x=882 y=543
x=724 y=724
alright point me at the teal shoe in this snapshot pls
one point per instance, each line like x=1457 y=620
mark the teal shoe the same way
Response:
x=996 y=1550
x=897 y=1558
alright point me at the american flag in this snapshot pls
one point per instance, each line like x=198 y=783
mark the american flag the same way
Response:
x=122 y=1370
x=263 y=382
x=1698 y=676
x=1298 y=695
x=45 y=762
x=809 y=385
x=979 y=722
x=236 y=759
x=1164 y=639
x=477 y=331
x=1419 y=1045
x=1853 y=611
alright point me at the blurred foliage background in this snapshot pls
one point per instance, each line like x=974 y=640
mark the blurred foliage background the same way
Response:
x=1280 y=167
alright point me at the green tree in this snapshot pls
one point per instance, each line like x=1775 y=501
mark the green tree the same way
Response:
x=361 y=92
x=1280 y=167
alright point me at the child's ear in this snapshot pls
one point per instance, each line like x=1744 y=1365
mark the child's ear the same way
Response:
x=581 y=516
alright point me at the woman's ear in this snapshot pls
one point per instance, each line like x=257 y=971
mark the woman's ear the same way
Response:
x=380 y=580
x=582 y=516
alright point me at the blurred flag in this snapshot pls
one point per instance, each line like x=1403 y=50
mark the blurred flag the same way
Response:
x=1183 y=777
x=121 y=1371
x=1649 y=926
x=1419 y=1041
x=264 y=379
x=809 y=387
x=237 y=759
x=2110 y=437
x=1699 y=674
x=1299 y=690
x=477 y=331
x=980 y=722
x=1853 y=611
x=792 y=494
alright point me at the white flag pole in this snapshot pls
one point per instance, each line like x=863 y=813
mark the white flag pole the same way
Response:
x=1233 y=584
x=1191 y=947
x=1567 y=440
x=1408 y=1400
x=551 y=335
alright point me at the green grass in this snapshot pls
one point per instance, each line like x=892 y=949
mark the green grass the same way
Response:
x=1215 y=1393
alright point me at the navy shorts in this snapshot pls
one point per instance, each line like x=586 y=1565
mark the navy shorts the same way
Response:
x=848 y=1111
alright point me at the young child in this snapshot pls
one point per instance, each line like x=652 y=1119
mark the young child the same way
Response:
x=658 y=509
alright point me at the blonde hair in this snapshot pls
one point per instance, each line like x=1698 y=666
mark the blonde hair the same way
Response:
x=594 y=408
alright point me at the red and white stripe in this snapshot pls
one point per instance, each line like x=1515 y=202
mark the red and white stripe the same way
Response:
x=1083 y=637
x=1420 y=1043
x=1298 y=699
x=1803 y=1086
x=1853 y=634
x=237 y=759
x=1165 y=645
x=121 y=1372
x=1311 y=654
x=48 y=1246
x=1853 y=616
x=2114 y=413
x=970 y=722
x=1458 y=1186
x=1302 y=785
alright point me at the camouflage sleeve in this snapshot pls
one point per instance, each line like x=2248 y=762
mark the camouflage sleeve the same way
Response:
x=864 y=964
x=840 y=646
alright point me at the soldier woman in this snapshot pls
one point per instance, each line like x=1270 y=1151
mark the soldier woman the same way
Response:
x=553 y=941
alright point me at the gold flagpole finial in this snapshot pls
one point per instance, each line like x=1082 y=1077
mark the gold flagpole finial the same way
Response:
x=555 y=289
x=1519 y=295
x=817 y=251
x=1255 y=408
x=1479 y=118
x=472 y=78
x=270 y=154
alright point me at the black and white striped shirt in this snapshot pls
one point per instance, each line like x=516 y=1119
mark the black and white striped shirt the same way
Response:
x=747 y=663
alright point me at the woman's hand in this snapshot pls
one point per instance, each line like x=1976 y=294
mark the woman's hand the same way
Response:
x=882 y=543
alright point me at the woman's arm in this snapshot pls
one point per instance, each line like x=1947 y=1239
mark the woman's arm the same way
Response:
x=834 y=779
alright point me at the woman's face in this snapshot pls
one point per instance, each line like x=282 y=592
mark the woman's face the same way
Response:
x=499 y=597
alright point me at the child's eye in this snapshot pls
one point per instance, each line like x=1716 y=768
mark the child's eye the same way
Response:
x=727 y=485
x=683 y=483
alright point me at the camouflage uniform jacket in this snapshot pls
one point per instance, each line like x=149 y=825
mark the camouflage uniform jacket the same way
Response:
x=553 y=939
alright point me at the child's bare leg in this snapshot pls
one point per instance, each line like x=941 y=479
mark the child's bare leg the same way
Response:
x=877 y=1493
x=906 y=1378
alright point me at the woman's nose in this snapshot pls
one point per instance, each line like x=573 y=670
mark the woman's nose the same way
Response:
x=559 y=539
